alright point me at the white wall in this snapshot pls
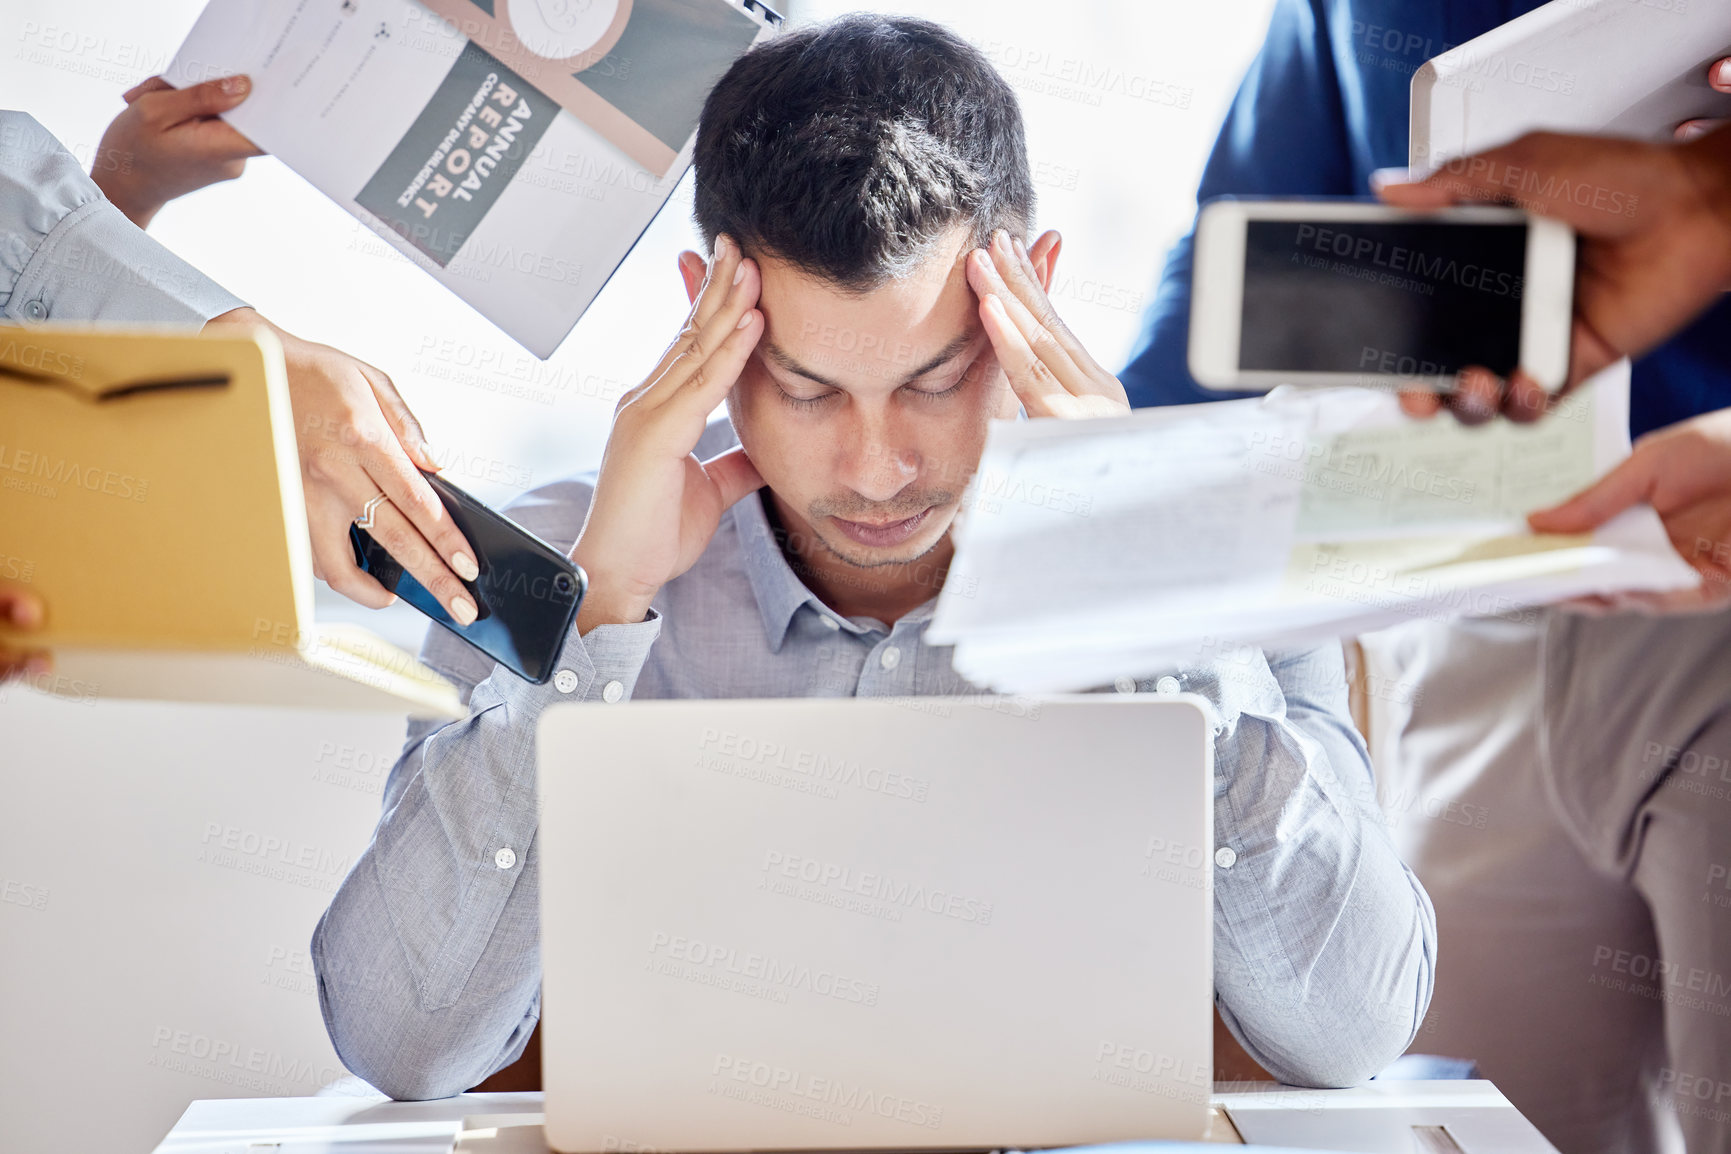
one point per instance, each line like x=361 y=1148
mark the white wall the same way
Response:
x=107 y=808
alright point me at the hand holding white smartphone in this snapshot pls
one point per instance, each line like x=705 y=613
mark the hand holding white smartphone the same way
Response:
x=1317 y=292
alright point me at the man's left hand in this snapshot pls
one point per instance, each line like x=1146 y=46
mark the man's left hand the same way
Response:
x=1051 y=372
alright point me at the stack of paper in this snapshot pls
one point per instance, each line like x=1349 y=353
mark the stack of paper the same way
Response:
x=1093 y=550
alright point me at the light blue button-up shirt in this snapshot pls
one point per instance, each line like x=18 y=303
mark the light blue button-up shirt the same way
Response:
x=67 y=254
x=428 y=959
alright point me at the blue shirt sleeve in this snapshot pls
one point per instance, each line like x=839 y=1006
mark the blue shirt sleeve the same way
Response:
x=1285 y=134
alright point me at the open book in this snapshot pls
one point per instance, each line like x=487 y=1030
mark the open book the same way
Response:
x=1094 y=550
x=150 y=488
x=514 y=151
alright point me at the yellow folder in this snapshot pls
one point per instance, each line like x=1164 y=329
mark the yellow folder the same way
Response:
x=150 y=492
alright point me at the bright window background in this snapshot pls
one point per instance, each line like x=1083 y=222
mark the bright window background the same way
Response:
x=1122 y=100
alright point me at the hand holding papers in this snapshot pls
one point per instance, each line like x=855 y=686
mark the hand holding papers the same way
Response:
x=516 y=156
x=1098 y=549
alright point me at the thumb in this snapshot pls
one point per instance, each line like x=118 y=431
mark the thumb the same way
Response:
x=152 y=84
x=212 y=98
x=734 y=475
x=1630 y=483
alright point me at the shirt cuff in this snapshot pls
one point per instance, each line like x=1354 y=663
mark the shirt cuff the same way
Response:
x=603 y=666
x=96 y=265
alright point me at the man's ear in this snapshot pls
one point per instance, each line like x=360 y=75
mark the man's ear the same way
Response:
x=693 y=269
x=1043 y=255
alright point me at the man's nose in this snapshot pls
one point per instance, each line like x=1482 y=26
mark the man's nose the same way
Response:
x=878 y=467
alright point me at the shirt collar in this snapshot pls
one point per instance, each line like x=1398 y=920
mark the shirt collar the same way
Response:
x=778 y=590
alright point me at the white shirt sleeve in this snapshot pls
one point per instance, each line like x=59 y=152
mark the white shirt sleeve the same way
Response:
x=67 y=254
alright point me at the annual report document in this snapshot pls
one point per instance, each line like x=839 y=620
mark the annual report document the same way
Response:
x=513 y=149
x=1089 y=551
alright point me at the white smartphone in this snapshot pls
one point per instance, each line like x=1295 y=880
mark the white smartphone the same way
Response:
x=1318 y=292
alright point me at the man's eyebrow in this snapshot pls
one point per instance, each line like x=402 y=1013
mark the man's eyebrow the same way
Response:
x=942 y=357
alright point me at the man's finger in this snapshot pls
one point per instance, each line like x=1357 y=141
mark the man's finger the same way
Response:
x=694 y=354
x=1033 y=335
x=734 y=475
x=1034 y=382
x=1627 y=485
x=1719 y=76
x=718 y=284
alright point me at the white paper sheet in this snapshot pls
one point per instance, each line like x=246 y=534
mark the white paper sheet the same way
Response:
x=1093 y=550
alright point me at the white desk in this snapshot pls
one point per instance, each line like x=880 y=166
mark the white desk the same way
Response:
x=1475 y=1112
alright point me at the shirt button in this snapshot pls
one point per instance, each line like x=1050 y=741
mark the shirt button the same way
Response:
x=505 y=858
x=35 y=310
x=1168 y=685
x=1225 y=857
x=565 y=681
x=890 y=658
x=828 y=621
x=612 y=692
x=1124 y=684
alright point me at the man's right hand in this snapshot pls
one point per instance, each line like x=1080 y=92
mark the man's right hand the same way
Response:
x=656 y=506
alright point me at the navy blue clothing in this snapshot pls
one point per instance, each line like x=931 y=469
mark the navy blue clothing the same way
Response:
x=1325 y=103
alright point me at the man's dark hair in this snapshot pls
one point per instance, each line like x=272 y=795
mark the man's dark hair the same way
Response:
x=846 y=148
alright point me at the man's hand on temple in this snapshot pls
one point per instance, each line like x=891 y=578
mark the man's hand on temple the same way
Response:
x=1656 y=245
x=358 y=441
x=1051 y=372
x=656 y=506
x=169 y=142
x=1684 y=473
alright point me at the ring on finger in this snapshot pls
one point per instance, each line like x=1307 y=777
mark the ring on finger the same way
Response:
x=365 y=520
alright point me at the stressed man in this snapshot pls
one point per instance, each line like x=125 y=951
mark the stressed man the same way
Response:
x=869 y=307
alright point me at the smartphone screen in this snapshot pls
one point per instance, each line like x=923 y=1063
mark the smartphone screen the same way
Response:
x=526 y=594
x=1408 y=298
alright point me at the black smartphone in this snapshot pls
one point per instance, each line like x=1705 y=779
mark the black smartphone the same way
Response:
x=526 y=593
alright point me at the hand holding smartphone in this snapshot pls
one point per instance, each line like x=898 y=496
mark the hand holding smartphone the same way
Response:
x=526 y=593
x=1318 y=292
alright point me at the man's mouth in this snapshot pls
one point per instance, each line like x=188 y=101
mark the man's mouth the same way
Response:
x=878 y=534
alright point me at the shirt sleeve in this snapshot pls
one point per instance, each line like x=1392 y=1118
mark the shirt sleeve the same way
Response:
x=428 y=959
x=67 y=254
x=1325 y=942
x=1285 y=134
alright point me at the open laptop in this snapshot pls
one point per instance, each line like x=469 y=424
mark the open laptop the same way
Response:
x=890 y=924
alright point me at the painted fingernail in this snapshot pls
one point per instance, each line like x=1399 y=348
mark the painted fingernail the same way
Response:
x=465 y=566
x=463 y=610
x=234 y=85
